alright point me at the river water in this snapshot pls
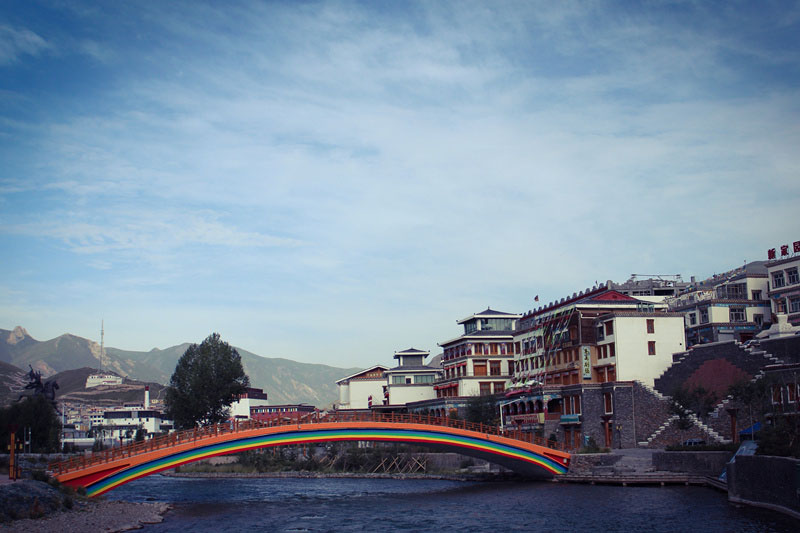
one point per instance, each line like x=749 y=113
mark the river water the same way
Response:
x=333 y=504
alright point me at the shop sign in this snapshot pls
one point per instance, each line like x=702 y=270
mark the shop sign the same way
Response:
x=586 y=358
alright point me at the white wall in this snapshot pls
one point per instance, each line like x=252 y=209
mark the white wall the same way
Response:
x=403 y=394
x=360 y=391
x=631 y=338
x=241 y=408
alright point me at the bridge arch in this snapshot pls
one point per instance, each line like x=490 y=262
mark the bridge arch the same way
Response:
x=104 y=472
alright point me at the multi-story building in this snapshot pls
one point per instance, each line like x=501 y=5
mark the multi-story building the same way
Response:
x=730 y=306
x=363 y=389
x=784 y=278
x=575 y=353
x=412 y=380
x=271 y=413
x=481 y=360
x=596 y=336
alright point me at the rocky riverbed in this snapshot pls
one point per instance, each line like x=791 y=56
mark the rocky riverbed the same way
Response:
x=33 y=506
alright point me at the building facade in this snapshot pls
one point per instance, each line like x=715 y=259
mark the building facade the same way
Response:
x=734 y=305
x=481 y=360
x=784 y=285
x=363 y=389
x=252 y=397
x=412 y=380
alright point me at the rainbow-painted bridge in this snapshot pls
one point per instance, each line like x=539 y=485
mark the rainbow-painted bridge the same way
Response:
x=101 y=472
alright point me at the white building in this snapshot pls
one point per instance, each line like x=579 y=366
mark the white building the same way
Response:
x=122 y=423
x=363 y=389
x=637 y=345
x=733 y=305
x=412 y=380
x=784 y=288
x=253 y=397
x=95 y=380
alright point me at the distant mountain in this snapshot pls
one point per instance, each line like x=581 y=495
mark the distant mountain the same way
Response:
x=285 y=381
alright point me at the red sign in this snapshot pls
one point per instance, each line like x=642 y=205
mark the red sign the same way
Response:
x=773 y=254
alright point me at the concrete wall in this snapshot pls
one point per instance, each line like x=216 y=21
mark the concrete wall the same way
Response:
x=700 y=463
x=631 y=337
x=770 y=482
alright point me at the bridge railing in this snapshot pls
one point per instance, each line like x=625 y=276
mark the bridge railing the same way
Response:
x=236 y=426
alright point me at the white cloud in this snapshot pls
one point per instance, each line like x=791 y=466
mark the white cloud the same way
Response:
x=15 y=43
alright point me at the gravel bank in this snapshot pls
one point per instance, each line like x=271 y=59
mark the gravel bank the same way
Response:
x=94 y=516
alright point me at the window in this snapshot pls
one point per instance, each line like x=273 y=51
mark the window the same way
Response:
x=499 y=386
x=794 y=304
x=704 y=316
x=792 y=277
x=737 y=314
x=424 y=378
x=611 y=350
x=651 y=347
x=408 y=380
x=511 y=366
x=577 y=406
x=485 y=388
x=398 y=380
x=780 y=305
x=756 y=295
x=651 y=325
x=692 y=319
x=494 y=368
x=758 y=318
x=479 y=367
x=777 y=280
x=609 y=328
x=611 y=373
x=609 y=402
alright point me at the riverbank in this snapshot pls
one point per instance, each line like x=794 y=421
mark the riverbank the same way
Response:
x=95 y=516
x=30 y=506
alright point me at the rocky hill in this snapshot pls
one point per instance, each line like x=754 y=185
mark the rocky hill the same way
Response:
x=284 y=380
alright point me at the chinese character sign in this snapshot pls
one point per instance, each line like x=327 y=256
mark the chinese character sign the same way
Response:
x=771 y=253
x=586 y=354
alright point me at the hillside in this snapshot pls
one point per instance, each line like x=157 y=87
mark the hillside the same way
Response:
x=284 y=380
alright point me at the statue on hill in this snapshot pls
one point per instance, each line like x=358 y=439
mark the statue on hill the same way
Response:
x=47 y=389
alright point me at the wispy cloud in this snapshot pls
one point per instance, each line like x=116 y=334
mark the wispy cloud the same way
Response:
x=338 y=159
x=15 y=43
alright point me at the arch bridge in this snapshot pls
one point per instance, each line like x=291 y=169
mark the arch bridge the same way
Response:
x=521 y=452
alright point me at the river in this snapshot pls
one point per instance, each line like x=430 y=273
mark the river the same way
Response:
x=333 y=504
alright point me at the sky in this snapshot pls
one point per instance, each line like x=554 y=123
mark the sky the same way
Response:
x=332 y=182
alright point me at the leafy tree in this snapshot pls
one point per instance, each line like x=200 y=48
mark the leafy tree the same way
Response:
x=38 y=414
x=483 y=410
x=207 y=379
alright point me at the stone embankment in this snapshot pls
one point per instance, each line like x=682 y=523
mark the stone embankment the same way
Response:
x=634 y=467
x=34 y=506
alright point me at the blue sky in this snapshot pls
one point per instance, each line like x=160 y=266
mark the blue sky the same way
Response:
x=333 y=181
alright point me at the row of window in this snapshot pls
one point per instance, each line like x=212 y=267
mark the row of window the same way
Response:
x=793 y=304
x=492 y=348
x=782 y=278
x=419 y=379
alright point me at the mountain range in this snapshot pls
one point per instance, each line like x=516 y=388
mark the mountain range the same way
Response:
x=284 y=380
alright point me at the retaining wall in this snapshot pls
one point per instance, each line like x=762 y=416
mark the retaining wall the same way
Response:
x=769 y=482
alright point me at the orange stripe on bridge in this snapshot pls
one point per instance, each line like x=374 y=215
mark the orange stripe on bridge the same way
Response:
x=104 y=471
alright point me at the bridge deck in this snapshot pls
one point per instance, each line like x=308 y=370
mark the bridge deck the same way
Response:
x=100 y=472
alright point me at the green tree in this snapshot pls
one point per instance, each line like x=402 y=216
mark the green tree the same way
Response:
x=482 y=410
x=38 y=414
x=207 y=379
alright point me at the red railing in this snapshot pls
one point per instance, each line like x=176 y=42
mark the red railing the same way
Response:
x=236 y=426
